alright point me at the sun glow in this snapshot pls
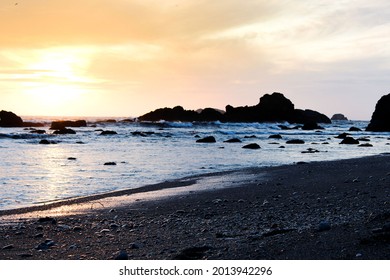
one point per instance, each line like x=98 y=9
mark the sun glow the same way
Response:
x=57 y=80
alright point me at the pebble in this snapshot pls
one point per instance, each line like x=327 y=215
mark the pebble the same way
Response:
x=47 y=220
x=63 y=227
x=114 y=226
x=45 y=245
x=25 y=255
x=122 y=255
x=324 y=226
x=217 y=201
x=8 y=247
x=38 y=235
x=77 y=228
x=135 y=245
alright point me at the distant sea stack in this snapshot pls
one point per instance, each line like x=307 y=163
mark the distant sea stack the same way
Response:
x=339 y=117
x=380 y=120
x=273 y=107
x=9 y=119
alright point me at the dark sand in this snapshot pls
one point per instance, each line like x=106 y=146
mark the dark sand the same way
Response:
x=322 y=210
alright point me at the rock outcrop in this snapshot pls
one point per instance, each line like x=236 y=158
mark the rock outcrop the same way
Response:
x=380 y=120
x=170 y=114
x=273 y=107
x=9 y=119
x=339 y=117
x=57 y=125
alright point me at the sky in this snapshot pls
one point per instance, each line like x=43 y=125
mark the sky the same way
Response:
x=128 y=57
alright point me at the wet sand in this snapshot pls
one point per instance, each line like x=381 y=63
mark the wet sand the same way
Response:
x=321 y=210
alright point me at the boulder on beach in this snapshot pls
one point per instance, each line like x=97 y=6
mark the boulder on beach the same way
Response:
x=9 y=119
x=339 y=117
x=380 y=120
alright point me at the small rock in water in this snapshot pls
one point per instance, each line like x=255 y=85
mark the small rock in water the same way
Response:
x=275 y=136
x=252 y=146
x=208 y=139
x=233 y=140
x=350 y=141
x=365 y=145
x=108 y=132
x=295 y=141
x=46 y=142
x=324 y=226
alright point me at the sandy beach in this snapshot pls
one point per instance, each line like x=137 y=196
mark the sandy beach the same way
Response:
x=318 y=210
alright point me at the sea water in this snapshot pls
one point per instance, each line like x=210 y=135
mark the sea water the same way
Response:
x=147 y=153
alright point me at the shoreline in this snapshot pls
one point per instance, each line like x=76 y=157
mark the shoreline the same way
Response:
x=321 y=210
x=160 y=186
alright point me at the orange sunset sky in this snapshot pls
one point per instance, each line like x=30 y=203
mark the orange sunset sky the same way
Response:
x=127 y=57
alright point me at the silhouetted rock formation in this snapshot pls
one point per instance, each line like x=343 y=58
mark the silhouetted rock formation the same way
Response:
x=9 y=119
x=63 y=124
x=339 y=117
x=308 y=116
x=170 y=114
x=380 y=120
x=311 y=126
x=64 y=131
x=210 y=114
x=271 y=108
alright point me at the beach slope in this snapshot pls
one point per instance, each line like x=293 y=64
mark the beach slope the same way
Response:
x=318 y=210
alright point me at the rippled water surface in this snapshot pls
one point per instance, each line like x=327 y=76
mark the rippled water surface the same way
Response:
x=145 y=153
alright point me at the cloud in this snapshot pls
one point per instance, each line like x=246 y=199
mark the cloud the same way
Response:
x=229 y=51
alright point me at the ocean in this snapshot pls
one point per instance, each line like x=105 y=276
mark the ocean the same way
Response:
x=139 y=154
